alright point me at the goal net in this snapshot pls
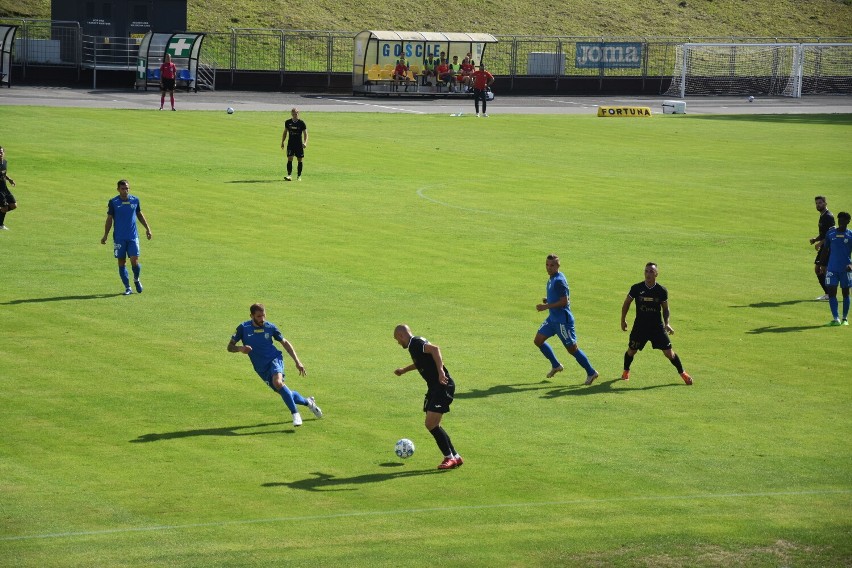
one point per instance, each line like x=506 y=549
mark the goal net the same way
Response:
x=774 y=69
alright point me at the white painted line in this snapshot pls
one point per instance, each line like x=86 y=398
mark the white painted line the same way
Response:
x=372 y=105
x=128 y=530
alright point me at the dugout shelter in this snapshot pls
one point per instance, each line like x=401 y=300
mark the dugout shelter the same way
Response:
x=7 y=38
x=183 y=47
x=376 y=53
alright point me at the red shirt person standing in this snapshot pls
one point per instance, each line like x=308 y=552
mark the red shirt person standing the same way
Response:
x=482 y=80
x=168 y=74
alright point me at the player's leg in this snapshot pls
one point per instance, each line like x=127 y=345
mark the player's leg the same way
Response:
x=675 y=360
x=277 y=383
x=476 y=101
x=634 y=345
x=120 y=253
x=172 y=97
x=299 y=169
x=162 y=98
x=566 y=333
x=289 y=176
x=434 y=413
x=544 y=332
x=831 y=290
x=821 y=280
x=133 y=253
x=846 y=300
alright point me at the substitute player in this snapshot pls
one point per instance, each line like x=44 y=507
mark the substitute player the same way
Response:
x=298 y=132
x=124 y=209
x=560 y=321
x=651 y=323
x=440 y=389
x=836 y=265
x=257 y=337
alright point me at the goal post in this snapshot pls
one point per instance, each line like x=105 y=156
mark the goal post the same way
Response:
x=773 y=69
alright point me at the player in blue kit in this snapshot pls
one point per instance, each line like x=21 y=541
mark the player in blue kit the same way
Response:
x=123 y=210
x=836 y=265
x=257 y=337
x=560 y=321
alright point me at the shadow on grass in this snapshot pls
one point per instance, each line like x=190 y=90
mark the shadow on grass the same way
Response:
x=256 y=181
x=773 y=304
x=788 y=329
x=328 y=482
x=504 y=389
x=223 y=431
x=59 y=299
x=602 y=387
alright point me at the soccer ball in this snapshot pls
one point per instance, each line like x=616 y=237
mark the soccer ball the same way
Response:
x=404 y=448
x=750 y=99
x=230 y=110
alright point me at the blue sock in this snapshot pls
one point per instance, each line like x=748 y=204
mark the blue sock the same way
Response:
x=547 y=351
x=288 y=398
x=583 y=361
x=845 y=307
x=832 y=303
x=122 y=271
x=136 y=270
x=299 y=399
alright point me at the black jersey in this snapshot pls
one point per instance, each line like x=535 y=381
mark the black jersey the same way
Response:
x=649 y=309
x=425 y=363
x=294 y=129
x=826 y=221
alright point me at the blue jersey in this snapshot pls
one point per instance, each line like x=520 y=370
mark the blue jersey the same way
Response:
x=557 y=288
x=263 y=350
x=839 y=246
x=123 y=214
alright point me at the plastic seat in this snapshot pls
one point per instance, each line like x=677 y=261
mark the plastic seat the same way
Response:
x=185 y=75
x=153 y=74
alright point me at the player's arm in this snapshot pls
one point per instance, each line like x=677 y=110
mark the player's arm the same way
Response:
x=402 y=370
x=10 y=180
x=292 y=352
x=284 y=138
x=107 y=227
x=625 y=307
x=435 y=352
x=305 y=138
x=666 y=314
x=824 y=253
x=234 y=348
x=560 y=303
x=144 y=221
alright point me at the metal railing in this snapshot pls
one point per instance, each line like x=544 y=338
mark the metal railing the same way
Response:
x=50 y=42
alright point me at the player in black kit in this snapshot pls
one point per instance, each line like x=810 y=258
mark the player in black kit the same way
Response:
x=297 y=129
x=826 y=221
x=440 y=389
x=651 y=323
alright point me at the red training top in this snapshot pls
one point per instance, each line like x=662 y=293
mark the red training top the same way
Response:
x=481 y=78
x=168 y=70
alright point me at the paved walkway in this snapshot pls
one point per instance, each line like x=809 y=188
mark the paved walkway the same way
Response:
x=282 y=102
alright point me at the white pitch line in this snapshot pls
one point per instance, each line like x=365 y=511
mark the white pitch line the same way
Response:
x=584 y=105
x=427 y=510
x=376 y=106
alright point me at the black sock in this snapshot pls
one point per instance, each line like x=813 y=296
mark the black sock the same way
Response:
x=628 y=360
x=442 y=440
x=299 y=169
x=289 y=168
x=676 y=362
x=2 y=217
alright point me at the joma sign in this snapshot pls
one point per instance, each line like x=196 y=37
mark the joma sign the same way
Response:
x=609 y=55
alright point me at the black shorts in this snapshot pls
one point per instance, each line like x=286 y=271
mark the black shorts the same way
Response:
x=298 y=151
x=6 y=195
x=168 y=85
x=439 y=400
x=640 y=335
x=479 y=94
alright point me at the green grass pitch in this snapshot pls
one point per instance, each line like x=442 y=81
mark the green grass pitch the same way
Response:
x=131 y=437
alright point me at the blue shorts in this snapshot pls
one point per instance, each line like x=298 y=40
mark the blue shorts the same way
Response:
x=123 y=249
x=842 y=279
x=275 y=366
x=565 y=331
